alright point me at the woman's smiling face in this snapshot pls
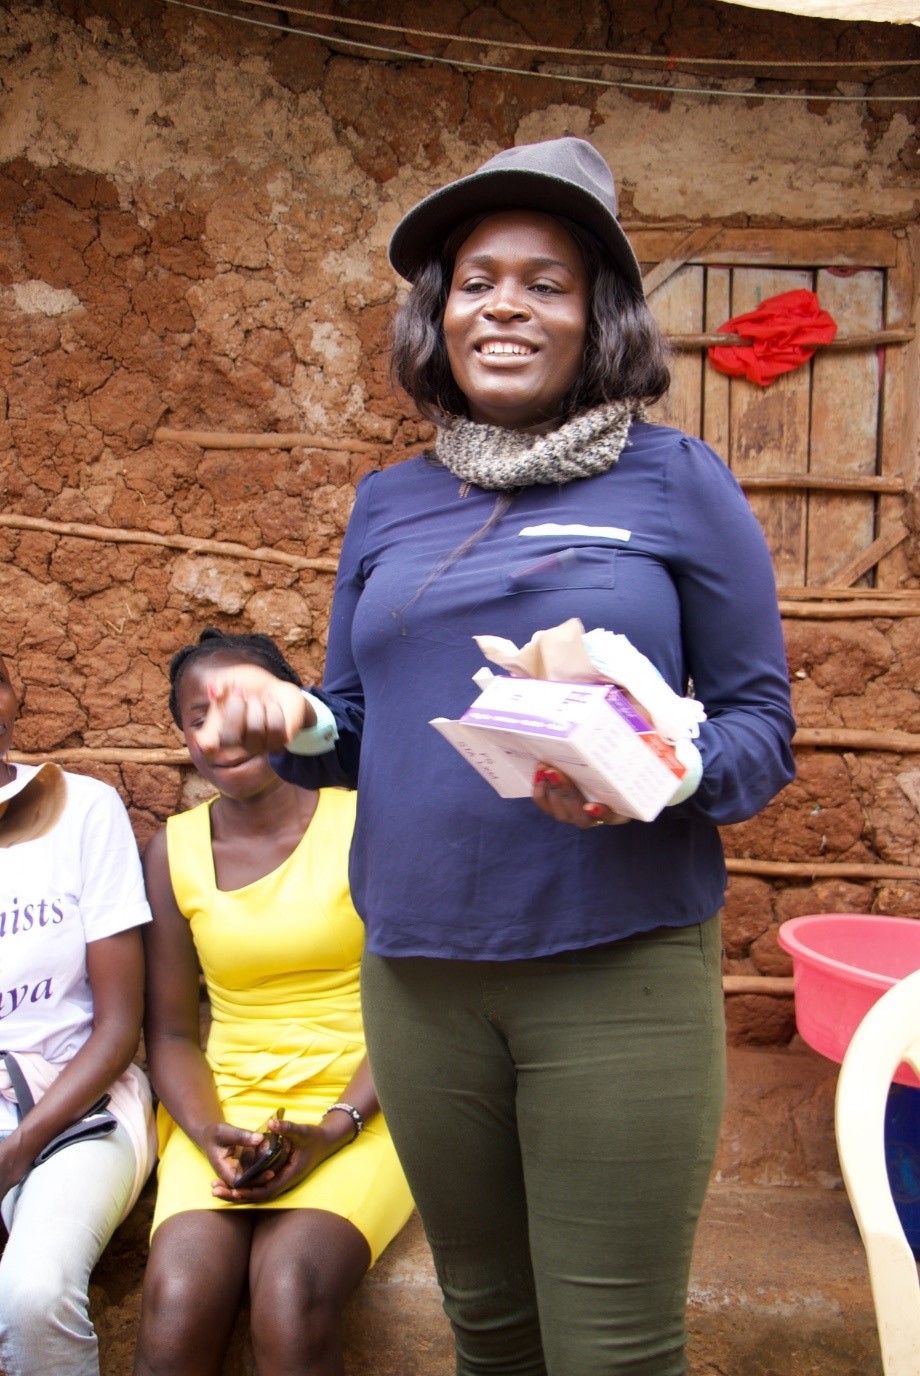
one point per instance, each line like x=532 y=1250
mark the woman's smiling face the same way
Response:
x=516 y=319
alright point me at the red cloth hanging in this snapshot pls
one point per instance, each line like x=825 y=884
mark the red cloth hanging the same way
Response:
x=784 y=332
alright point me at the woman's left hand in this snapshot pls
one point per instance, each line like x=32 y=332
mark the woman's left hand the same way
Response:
x=556 y=795
x=309 y=1144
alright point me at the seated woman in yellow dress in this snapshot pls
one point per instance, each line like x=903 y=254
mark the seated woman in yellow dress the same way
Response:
x=252 y=887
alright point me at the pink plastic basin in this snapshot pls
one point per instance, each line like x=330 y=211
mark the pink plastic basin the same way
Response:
x=843 y=963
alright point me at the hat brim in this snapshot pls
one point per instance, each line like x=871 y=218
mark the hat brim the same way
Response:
x=429 y=223
x=31 y=805
x=18 y=783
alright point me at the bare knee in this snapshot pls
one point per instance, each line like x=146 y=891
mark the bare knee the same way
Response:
x=170 y=1327
x=304 y=1266
x=189 y=1304
x=301 y=1312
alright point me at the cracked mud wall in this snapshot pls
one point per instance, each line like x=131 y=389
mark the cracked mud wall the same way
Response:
x=193 y=221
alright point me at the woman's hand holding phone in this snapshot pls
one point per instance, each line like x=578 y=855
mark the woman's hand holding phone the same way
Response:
x=306 y=1146
x=226 y=1146
x=255 y=1162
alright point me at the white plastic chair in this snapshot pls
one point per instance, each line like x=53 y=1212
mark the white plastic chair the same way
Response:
x=887 y=1035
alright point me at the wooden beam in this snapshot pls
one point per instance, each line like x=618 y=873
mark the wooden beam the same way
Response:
x=875 y=340
x=813 y=482
x=688 y=248
x=832 y=592
x=781 y=986
x=846 y=611
x=104 y=754
x=771 y=246
x=900 y=401
x=192 y=544
x=820 y=869
x=853 y=738
x=222 y=439
x=871 y=555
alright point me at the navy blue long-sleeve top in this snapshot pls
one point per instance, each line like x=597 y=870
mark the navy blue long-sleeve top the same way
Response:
x=668 y=553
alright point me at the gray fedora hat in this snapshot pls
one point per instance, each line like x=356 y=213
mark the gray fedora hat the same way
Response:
x=558 y=177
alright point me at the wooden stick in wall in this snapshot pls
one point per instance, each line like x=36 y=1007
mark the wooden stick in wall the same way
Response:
x=777 y=985
x=823 y=593
x=870 y=555
x=820 y=869
x=813 y=482
x=106 y=754
x=691 y=244
x=853 y=341
x=191 y=543
x=852 y=738
x=221 y=439
x=846 y=611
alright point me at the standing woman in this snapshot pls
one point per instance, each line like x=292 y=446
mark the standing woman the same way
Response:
x=253 y=887
x=71 y=907
x=542 y=979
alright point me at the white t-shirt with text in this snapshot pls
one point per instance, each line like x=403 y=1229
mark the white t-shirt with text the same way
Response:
x=77 y=884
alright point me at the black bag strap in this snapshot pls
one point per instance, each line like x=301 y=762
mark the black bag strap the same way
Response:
x=21 y=1089
x=24 y=1099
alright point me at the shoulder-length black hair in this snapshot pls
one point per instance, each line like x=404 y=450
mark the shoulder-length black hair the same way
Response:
x=624 y=355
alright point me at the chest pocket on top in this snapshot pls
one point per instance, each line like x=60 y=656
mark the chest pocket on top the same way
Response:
x=577 y=566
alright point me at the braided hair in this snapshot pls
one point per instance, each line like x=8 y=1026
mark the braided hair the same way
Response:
x=253 y=648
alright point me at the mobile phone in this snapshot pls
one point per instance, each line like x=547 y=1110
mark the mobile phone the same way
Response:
x=254 y=1160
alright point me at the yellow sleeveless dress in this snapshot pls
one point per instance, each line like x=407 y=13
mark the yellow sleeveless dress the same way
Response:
x=281 y=961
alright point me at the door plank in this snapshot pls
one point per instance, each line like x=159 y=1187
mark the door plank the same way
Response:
x=687 y=248
x=716 y=386
x=863 y=563
x=769 y=429
x=900 y=404
x=844 y=426
x=741 y=247
x=678 y=307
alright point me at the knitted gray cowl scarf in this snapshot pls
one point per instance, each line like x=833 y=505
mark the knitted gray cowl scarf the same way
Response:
x=500 y=460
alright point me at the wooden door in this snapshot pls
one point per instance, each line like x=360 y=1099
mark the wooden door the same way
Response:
x=821 y=452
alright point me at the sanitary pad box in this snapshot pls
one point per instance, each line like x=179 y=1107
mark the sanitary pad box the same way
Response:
x=591 y=731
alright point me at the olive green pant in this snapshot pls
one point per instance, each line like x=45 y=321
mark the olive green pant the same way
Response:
x=557 y=1119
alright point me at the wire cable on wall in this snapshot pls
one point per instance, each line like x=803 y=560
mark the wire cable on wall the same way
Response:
x=666 y=62
x=406 y=55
